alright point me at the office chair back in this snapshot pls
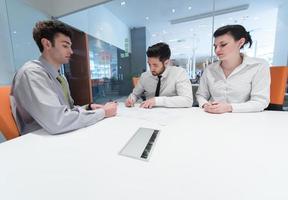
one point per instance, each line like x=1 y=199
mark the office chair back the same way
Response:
x=135 y=80
x=279 y=75
x=7 y=124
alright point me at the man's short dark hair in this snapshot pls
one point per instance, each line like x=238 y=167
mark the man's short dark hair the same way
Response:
x=160 y=50
x=49 y=29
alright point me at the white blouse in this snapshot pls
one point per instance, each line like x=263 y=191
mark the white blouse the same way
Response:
x=247 y=88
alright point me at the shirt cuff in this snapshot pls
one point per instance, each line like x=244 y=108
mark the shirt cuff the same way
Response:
x=159 y=101
x=101 y=112
x=88 y=106
x=235 y=107
x=84 y=106
x=133 y=97
x=202 y=102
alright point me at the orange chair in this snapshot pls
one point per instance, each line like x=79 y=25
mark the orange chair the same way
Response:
x=7 y=124
x=279 y=75
x=135 y=80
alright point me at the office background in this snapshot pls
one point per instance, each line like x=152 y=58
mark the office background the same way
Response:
x=120 y=31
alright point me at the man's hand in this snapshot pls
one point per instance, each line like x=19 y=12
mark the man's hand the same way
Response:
x=110 y=109
x=95 y=106
x=148 y=103
x=217 y=107
x=129 y=102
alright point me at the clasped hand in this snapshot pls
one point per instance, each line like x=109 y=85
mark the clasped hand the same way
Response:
x=217 y=107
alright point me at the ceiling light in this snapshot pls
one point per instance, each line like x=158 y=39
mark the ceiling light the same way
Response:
x=210 y=14
x=189 y=8
x=123 y=3
x=173 y=10
x=147 y=18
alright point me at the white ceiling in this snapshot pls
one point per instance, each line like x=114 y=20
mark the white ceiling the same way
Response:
x=259 y=18
x=57 y=8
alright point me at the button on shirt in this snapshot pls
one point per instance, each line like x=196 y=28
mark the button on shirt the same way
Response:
x=38 y=101
x=175 y=89
x=247 y=88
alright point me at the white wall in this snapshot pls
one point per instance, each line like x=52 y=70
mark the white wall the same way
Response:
x=102 y=24
x=24 y=47
x=6 y=55
x=17 y=44
x=64 y=7
x=281 y=41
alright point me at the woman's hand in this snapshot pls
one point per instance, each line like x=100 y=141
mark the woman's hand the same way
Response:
x=217 y=107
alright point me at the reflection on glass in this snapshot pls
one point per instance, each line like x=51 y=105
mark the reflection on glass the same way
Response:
x=103 y=59
x=104 y=70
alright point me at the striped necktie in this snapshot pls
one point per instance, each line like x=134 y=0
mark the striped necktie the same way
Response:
x=64 y=86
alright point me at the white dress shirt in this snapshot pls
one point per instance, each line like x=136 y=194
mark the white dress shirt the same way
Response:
x=175 y=89
x=247 y=88
x=38 y=101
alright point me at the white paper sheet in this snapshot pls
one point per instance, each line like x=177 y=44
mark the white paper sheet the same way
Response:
x=161 y=116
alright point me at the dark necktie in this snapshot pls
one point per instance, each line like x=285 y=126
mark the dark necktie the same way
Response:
x=158 y=86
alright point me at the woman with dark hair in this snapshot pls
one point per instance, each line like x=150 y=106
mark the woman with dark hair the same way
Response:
x=236 y=83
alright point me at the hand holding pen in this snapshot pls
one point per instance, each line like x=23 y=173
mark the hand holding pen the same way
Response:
x=129 y=102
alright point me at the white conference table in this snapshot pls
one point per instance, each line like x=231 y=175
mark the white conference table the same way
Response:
x=196 y=156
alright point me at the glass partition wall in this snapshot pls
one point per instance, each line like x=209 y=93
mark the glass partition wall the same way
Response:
x=104 y=70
